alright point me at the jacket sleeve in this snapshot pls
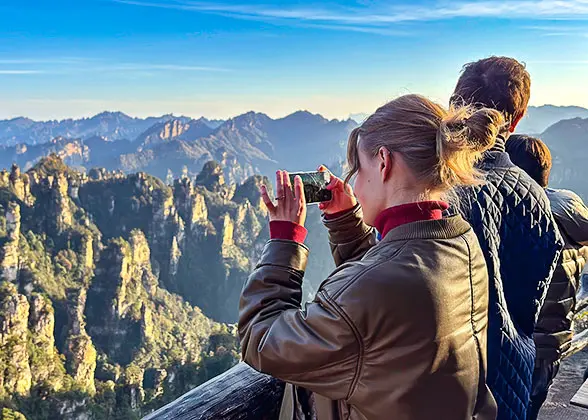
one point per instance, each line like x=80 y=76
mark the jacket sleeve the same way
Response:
x=315 y=348
x=571 y=214
x=349 y=237
x=528 y=259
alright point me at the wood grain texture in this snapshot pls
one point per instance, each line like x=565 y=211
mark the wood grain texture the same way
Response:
x=238 y=394
x=580 y=399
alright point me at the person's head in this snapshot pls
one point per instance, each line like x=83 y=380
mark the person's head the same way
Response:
x=412 y=149
x=501 y=83
x=532 y=156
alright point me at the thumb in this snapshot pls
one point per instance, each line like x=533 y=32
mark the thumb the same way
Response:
x=335 y=183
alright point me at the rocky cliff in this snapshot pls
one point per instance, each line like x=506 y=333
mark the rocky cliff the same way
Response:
x=89 y=325
x=114 y=288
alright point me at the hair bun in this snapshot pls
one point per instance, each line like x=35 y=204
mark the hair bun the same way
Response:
x=462 y=135
x=466 y=128
x=483 y=127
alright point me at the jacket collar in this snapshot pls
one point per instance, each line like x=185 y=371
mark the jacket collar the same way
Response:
x=407 y=213
x=500 y=144
x=446 y=228
x=496 y=157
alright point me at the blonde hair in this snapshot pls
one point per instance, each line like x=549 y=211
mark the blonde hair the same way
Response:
x=440 y=146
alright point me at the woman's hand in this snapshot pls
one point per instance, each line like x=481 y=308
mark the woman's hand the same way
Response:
x=343 y=197
x=291 y=203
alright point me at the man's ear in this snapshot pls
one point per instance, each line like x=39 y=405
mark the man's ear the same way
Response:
x=514 y=123
x=385 y=163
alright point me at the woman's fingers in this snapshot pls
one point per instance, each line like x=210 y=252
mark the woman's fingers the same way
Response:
x=299 y=192
x=279 y=186
x=267 y=200
x=336 y=183
x=287 y=185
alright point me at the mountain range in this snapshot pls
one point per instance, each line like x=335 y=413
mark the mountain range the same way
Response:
x=539 y=118
x=110 y=125
x=568 y=142
x=248 y=144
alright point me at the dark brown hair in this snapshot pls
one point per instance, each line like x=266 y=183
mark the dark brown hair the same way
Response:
x=501 y=83
x=439 y=145
x=532 y=156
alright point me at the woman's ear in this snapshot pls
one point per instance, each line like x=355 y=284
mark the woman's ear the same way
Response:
x=385 y=163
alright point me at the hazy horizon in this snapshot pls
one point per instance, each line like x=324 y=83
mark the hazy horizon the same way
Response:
x=352 y=115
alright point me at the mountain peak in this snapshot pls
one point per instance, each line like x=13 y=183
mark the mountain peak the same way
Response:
x=20 y=120
x=250 y=117
x=111 y=115
x=304 y=116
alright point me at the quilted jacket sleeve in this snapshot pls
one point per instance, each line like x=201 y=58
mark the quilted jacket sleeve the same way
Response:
x=571 y=214
x=529 y=252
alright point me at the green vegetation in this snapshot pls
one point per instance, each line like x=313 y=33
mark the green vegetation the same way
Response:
x=93 y=279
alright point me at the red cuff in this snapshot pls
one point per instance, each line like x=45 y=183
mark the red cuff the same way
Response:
x=281 y=229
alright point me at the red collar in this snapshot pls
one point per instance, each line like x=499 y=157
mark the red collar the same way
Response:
x=408 y=213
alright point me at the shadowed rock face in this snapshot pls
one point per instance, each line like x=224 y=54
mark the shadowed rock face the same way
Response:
x=15 y=371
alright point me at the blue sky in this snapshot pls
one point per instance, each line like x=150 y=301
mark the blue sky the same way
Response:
x=67 y=58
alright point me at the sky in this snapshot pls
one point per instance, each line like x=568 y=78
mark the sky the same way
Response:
x=76 y=58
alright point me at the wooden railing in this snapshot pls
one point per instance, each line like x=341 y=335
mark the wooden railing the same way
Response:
x=241 y=393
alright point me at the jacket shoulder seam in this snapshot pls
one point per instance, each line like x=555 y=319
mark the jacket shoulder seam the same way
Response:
x=365 y=270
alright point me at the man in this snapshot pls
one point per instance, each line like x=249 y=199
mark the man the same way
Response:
x=554 y=330
x=512 y=218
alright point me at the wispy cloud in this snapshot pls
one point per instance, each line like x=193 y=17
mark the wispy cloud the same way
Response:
x=17 y=72
x=161 y=67
x=53 y=60
x=377 y=14
x=560 y=30
x=71 y=66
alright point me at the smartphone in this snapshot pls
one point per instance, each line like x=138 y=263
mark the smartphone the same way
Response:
x=315 y=186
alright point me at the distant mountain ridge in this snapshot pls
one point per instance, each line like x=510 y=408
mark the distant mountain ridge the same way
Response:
x=246 y=144
x=568 y=142
x=110 y=125
x=537 y=119
x=249 y=143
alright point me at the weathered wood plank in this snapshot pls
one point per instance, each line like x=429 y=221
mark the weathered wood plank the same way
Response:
x=238 y=394
x=580 y=398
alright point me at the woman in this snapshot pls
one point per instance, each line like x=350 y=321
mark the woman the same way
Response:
x=398 y=330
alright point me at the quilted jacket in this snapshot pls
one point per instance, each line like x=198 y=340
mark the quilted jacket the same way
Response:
x=553 y=332
x=511 y=217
